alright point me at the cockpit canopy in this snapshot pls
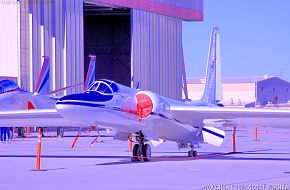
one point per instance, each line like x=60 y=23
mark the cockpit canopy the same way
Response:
x=7 y=85
x=104 y=86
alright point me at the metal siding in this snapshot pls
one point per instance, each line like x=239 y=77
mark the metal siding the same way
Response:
x=137 y=49
x=162 y=46
x=166 y=64
x=62 y=19
x=69 y=42
x=78 y=51
x=157 y=39
x=63 y=65
x=36 y=57
x=144 y=52
x=8 y=39
x=153 y=49
x=172 y=54
x=24 y=49
x=158 y=58
x=52 y=54
x=180 y=59
x=47 y=27
x=58 y=43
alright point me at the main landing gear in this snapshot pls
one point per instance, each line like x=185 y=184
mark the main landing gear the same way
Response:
x=141 y=151
x=59 y=132
x=192 y=153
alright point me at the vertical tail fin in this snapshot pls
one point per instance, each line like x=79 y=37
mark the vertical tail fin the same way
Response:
x=91 y=74
x=43 y=82
x=213 y=86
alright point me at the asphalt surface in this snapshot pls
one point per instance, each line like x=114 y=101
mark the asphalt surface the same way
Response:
x=262 y=164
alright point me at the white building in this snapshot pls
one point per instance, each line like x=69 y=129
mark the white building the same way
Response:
x=239 y=91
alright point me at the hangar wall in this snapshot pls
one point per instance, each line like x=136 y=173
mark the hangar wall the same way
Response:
x=157 y=53
x=9 y=38
x=54 y=29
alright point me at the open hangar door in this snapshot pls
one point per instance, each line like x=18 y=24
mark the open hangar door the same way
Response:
x=107 y=34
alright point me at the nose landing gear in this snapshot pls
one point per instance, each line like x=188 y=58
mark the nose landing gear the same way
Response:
x=141 y=151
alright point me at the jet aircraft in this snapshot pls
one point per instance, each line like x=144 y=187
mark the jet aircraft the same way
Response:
x=12 y=97
x=148 y=115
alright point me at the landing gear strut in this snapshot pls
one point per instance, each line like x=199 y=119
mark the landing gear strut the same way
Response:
x=192 y=153
x=141 y=151
x=59 y=131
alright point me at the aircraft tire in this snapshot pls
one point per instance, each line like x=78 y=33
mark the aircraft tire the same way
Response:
x=137 y=156
x=146 y=152
x=60 y=131
x=192 y=153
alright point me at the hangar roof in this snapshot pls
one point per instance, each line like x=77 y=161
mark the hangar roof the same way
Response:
x=189 y=10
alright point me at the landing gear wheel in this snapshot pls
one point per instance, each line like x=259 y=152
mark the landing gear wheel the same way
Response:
x=137 y=153
x=146 y=152
x=21 y=132
x=192 y=153
x=59 y=131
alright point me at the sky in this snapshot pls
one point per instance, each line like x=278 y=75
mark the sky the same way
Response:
x=254 y=35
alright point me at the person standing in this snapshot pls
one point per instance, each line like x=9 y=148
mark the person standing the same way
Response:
x=9 y=133
x=3 y=134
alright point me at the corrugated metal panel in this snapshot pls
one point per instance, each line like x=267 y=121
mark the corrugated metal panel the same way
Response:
x=157 y=53
x=8 y=38
x=36 y=42
x=24 y=45
x=182 y=9
x=57 y=32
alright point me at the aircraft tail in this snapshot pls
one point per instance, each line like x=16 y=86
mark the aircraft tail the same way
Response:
x=213 y=84
x=43 y=82
x=91 y=74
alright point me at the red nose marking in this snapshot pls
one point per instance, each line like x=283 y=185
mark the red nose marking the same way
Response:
x=144 y=106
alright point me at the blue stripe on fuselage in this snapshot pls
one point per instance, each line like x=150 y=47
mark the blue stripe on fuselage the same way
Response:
x=94 y=97
x=81 y=104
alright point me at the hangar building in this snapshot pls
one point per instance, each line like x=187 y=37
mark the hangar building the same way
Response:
x=136 y=42
x=246 y=91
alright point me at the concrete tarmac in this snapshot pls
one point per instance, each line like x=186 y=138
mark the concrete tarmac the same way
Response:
x=257 y=165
